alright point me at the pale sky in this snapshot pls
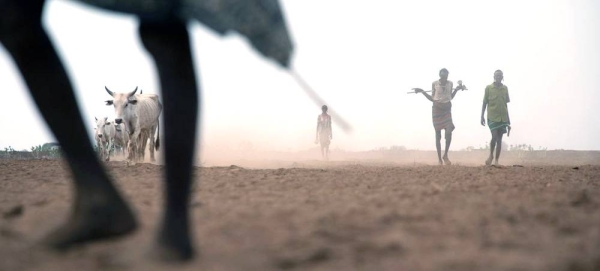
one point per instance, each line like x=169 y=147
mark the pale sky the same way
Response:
x=361 y=57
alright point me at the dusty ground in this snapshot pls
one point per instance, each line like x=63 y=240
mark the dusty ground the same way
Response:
x=327 y=216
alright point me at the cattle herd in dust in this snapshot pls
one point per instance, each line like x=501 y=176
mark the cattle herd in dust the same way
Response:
x=133 y=127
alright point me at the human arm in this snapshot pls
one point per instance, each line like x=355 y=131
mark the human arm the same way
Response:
x=507 y=101
x=485 y=100
x=317 y=134
x=482 y=113
x=429 y=97
x=330 y=130
x=459 y=87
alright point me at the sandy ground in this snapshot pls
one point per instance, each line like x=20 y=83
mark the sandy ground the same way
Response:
x=326 y=216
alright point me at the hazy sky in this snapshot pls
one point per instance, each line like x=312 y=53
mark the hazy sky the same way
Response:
x=361 y=57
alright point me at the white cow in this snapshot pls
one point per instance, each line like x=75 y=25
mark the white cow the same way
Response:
x=139 y=113
x=121 y=138
x=105 y=136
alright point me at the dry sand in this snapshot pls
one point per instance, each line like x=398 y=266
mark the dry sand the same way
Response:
x=337 y=215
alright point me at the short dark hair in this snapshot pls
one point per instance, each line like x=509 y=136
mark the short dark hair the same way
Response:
x=499 y=72
x=324 y=107
x=444 y=70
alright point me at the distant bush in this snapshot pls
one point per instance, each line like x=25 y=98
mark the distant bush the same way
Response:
x=46 y=151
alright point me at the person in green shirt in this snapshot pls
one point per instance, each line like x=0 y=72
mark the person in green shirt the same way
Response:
x=496 y=100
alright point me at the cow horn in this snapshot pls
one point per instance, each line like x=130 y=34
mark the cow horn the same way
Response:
x=132 y=93
x=109 y=92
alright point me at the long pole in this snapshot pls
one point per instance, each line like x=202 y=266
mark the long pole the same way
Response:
x=337 y=119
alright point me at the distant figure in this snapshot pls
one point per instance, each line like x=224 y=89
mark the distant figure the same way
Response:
x=496 y=99
x=324 y=133
x=441 y=97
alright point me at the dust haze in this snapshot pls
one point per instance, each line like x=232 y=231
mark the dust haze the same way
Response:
x=362 y=68
x=245 y=154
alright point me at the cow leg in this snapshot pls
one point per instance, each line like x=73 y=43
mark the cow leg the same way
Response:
x=124 y=146
x=151 y=143
x=144 y=142
x=121 y=147
x=117 y=146
x=169 y=44
x=133 y=147
x=98 y=211
x=141 y=144
x=105 y=154
x=106 y=150
x=129 y=127
x=132 y=151
x=110 y=146
x=99 y=146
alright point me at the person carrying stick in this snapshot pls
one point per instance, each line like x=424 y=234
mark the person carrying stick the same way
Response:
x=441 y=95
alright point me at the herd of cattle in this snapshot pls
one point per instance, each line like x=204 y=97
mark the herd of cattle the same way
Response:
x=134 y=125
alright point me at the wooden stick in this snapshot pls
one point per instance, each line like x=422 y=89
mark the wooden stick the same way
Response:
x=337 y=119
x=411 y=92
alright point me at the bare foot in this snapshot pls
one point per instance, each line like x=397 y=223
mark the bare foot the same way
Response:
x=173 y=244
x=488 y=161
x=496 y=163
x=94 y=219
x=447 y=161
x=171 y=254
x=440 y=162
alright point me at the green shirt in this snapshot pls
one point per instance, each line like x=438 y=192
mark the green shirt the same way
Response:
x=496 y=99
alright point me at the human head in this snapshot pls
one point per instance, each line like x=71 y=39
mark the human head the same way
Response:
x=498 y=76
x=444 y=74
x=324 y=108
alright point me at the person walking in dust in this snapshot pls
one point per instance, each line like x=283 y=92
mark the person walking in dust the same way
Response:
x=441 y=96
x=324 y=132
x=496 y=99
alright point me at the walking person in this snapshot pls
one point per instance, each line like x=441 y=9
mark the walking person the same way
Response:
x=496 y=99
x=441 y=96
x=324 y=133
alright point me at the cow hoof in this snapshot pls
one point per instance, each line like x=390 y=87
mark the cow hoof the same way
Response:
x=91 y=223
